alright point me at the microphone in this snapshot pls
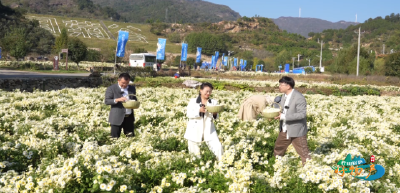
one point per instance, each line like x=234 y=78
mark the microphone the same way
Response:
x=277 y=99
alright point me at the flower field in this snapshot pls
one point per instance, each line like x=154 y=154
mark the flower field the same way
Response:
x=58 y=141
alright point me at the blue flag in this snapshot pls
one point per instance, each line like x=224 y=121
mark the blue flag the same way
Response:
x=216 y=56
x=235 y=61
x=184 y=52
x=0 y=53
x=212 y=61
x=226 y=60
x=245 y=63
x=122 y=39
x=161 y=48
x=223 y=57
x=198 y=55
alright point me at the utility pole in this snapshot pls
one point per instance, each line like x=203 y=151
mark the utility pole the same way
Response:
x=320 y=56
x=309 y=62
x=293 y=61
x=383 y=52
x=166 y=15
x=298 y=60
x=358 y=50
x=299 y=12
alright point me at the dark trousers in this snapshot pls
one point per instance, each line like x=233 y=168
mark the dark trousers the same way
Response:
x=299 y=143
x=127 y=125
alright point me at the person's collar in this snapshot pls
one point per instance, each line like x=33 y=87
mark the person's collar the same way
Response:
x=121 y=87
x=290 y=94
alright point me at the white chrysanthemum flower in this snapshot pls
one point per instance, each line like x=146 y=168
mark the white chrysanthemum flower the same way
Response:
x=103 y=186
x=123 y=188
x=109 y=187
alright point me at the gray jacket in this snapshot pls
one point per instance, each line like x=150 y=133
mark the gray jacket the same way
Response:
x=117 y=112
x=296 y=115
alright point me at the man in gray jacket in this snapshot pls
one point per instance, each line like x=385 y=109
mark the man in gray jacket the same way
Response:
x=120 y=117
x=293 y=121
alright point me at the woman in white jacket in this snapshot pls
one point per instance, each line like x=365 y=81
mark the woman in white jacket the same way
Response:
x=200 y=126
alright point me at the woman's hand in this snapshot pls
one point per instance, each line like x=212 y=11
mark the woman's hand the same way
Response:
x=203 y=109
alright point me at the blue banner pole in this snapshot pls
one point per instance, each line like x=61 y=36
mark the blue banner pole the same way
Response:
x=115 y=60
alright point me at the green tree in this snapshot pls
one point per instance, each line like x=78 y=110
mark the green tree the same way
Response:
x=174 y=38
x=255 y=63
x=190 y=62
x=158 y=28
x=61 y=41
x=176 y=61
x=282 y=58
x=76 y=50
x=346 y=62
x=207 y=41
x=379 y=66
x=93 y=55
x=392 y=63
x=15 y=42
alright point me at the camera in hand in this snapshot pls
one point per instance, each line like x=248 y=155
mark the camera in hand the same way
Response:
x=202 y=114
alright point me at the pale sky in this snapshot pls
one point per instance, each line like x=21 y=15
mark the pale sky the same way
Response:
x=328 y=10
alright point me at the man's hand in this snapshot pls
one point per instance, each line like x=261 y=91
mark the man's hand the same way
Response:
x=122 y=99
x=278 y=117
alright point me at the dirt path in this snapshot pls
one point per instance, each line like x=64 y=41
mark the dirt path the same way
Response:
x=4 y=74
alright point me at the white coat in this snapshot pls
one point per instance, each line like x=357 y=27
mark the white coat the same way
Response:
x=198 y=126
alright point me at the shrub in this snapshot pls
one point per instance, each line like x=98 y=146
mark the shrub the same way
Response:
x=174 y=38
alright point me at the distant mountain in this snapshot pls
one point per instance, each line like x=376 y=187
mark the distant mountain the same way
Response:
x=68 y=8
x=171 y=11
x=303 y=26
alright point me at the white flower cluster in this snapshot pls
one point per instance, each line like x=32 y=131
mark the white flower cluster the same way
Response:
x=60 y=139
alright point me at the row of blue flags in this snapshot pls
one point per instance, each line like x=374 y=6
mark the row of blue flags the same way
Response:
x=123 y=37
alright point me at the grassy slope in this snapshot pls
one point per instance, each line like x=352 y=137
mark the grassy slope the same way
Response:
x=107 y=43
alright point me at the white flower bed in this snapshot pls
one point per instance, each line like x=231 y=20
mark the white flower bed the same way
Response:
x=58 y=142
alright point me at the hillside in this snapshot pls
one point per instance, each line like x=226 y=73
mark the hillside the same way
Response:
x=69 y=8
x=304 y=26
x=20 y=36
x=247 y=37
x=376 y=34
x=171 y=11
x=245 y=34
